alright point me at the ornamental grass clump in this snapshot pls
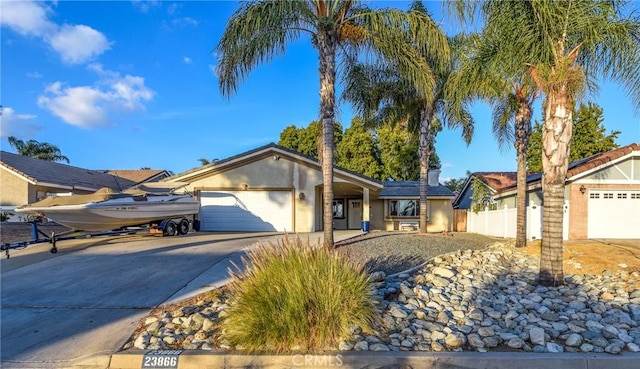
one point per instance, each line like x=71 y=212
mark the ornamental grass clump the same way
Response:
x=293 y=296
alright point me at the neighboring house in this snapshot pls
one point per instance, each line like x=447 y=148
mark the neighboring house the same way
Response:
x=602 y=196
x=25 y=180
x=272 y=188
x=493 y=181
x=138 y=176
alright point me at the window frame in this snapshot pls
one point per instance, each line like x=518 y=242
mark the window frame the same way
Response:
x=417 y=209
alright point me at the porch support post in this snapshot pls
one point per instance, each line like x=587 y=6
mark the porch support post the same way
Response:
x=365 y=204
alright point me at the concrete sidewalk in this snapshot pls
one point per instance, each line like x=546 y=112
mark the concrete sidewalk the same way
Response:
x=387 y=360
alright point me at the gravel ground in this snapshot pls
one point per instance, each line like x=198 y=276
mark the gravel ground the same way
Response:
x=393 y=252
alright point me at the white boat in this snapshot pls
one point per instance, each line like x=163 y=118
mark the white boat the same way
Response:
x=109 y=210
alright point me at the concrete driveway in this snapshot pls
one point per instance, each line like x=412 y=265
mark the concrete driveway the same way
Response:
x=77 y=307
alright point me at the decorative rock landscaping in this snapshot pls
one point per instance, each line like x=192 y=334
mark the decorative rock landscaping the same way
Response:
x=482 y=300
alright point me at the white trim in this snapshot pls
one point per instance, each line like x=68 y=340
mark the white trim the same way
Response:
x=607 y=181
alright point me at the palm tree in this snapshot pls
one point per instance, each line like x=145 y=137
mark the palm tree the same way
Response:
x=383 y=96
x=38 y=150
x=205 y=161
x=258 y=31
x=565 y=45
x=486 y=73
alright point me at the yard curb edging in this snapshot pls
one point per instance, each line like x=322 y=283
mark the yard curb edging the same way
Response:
x=198 y=359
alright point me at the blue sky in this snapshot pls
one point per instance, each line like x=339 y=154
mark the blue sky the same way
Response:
x=130 y=84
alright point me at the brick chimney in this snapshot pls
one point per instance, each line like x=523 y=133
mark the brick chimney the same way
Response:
x=433 y=177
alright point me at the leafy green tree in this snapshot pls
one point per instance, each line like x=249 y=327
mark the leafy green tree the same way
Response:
x=306 y=140
x=398 y=153
x=454 y=184
x=261 y=30
x=289 y=138
x=481 y=197
x=392 y=149
x=566 y=45
x=589 y=137
x=358 y=151
x=38 y=150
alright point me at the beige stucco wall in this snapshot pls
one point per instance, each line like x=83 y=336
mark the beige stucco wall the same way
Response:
x=440 y=216
x=13 y=189
x=16 y=191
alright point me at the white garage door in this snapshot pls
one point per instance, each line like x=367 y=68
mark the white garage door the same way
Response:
x=614 y=214
x=246 y=211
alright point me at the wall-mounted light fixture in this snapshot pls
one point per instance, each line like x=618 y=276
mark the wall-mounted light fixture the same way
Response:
x=276 y=157
x=583 y=189
x=302 y=196
x=244 y=186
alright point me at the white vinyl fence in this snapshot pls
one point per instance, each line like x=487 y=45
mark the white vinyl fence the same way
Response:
x=502 y=222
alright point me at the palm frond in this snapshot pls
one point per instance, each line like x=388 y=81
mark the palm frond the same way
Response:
x=256 y=33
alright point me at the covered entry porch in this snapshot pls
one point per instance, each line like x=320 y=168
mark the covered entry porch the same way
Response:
x=352 y=206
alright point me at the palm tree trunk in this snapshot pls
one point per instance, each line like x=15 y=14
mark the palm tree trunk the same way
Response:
x=556 y=139
x=521 y=142
x=425 y=148
x=327 y=54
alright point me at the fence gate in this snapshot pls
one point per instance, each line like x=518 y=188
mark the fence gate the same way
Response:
x=459 y=220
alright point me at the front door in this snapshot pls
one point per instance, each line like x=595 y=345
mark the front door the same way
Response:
x=354 y=215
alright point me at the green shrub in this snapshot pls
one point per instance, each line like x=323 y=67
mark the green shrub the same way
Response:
x=293 y=296
x=5 y=215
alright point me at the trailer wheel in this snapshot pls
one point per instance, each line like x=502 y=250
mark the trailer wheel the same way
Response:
x=169 y=229
x=183 y=227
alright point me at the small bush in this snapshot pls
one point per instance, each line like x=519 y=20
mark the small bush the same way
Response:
x=5 y=215
x=294 y=296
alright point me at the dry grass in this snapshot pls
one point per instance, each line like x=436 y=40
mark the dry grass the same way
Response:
x=594 y=257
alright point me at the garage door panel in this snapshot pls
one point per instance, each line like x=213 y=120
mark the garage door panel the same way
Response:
x=613 y=214
x=246 y=211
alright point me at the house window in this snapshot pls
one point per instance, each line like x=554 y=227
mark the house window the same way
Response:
x=338 y=209
x=635 y=195
x=404 y=208
x=594 y=195
x=622 y=195
x=607 y=196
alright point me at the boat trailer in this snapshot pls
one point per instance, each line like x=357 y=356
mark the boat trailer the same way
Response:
x=165 y=227
x=40 y=237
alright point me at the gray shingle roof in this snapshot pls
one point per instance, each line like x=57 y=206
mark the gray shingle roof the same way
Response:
x=408 y=189
x=59 y=174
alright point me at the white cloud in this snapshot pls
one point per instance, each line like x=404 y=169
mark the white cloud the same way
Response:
x=19 y=125
x=91 y=106
x=78 y=44
x=145 y=6
x=75 y=44
x=35 y=75
x=26 y=17
x=187 y=60
x=184 y=22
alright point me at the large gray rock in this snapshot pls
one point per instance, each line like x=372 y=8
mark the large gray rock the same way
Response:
x=536 y=336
